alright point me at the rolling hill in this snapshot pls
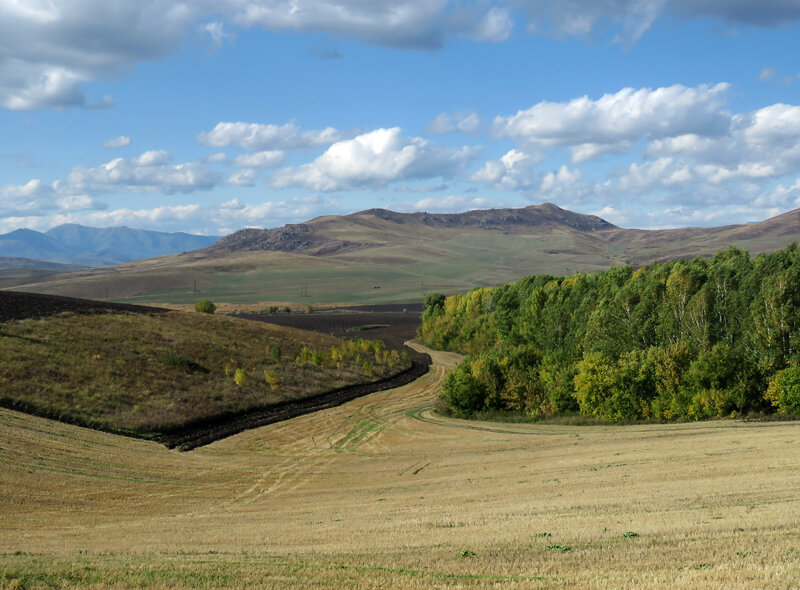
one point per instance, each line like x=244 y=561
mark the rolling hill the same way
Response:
x=379 y=255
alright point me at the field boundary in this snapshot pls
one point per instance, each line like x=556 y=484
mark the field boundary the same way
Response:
x=217 y=428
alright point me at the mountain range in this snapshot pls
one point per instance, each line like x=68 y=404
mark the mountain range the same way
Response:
x=380 y=255
x=89 y=246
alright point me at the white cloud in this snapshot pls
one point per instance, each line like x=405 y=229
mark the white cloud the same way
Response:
x=243 y=178
x=216 y=158
x=450 y=204
x=256 y=136
x=580 y=17
x=266 y=159
x=216 y=32
x=615 y=122
x=463 y=121
x=147 y=172
x=151 y=158
x=767 y=74
x=632 y=18
x=52 y=48
x=468 y=21
x=399 y=23
x=117 y=142
x=781 y=198
x=28 y=199
x=513 y=171
x=373 y=160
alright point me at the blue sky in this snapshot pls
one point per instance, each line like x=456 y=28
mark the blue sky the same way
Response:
x=208 y=117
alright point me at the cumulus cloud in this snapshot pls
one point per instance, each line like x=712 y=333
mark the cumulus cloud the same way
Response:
x=374 y=160
x=117 y=142
x=36 y=198
x=148 y=172
x=265 y=159
x=216 y=158
x=463 y=121
x=699 y=163
x=257 y=136
x=513 y=171
x=243 y=178
x=451 y=203
x=419 y=24
x=633 y=18
x=193 y=217
x=51 y=49
x=614 y=122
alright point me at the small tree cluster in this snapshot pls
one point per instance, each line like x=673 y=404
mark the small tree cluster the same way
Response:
x=368 y=356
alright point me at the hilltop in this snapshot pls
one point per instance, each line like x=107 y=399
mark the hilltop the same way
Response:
x=380 y=255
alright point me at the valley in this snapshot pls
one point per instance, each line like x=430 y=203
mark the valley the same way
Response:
x=380 y=492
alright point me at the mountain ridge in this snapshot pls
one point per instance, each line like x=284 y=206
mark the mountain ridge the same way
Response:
x=81 y=245
x=378 y=255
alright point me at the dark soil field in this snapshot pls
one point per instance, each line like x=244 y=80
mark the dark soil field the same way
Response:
x=388 y=323
x=19 y=306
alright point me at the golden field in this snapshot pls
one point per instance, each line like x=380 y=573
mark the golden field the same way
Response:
x=383 y=493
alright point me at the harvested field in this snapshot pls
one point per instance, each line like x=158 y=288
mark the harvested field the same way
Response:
x=381 y=492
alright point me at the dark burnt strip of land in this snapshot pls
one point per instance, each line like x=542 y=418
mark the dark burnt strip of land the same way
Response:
x=18 y=305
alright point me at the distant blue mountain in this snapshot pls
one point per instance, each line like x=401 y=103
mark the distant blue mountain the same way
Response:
x=91 y=246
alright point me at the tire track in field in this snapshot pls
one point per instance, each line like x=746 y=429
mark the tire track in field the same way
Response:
x=310 y=445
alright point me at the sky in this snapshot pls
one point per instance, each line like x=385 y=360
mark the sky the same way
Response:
x=208 y=117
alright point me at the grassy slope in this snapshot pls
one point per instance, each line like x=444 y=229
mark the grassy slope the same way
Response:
x=150 y=373
x=380 y=493
x=403 y=256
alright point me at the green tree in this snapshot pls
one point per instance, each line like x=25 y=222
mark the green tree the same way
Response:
x=462 y=391
x=784 y=390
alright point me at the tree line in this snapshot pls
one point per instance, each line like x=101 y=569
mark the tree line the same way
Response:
x=686 y=339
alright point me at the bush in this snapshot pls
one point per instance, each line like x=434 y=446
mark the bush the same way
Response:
x=241 y=378
x=205 y=306
x=784 y=390
x=462 y=391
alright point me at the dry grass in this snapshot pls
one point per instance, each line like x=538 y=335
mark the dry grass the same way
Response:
x=152 y=372
x=380 y=492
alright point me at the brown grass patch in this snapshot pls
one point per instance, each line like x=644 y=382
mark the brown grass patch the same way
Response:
x=150 y=373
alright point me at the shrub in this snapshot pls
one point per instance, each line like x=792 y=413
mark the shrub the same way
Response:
x=271 y=379
x=241 y=378
x=462 y=391
x=276 y=353
x=205 y=306
x=784 y=390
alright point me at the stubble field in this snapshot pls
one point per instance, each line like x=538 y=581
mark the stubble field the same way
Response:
x=381 y=492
